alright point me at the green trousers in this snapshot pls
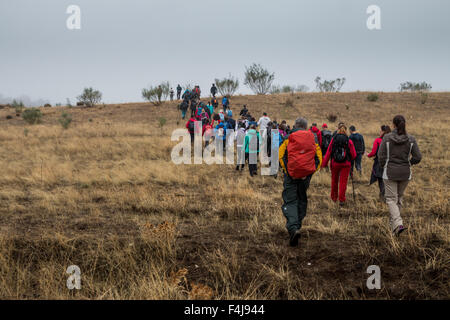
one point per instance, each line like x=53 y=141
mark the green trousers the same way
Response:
x=295 y=202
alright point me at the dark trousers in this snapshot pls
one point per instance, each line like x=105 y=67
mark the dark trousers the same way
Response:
x=252 y=167
x=295 y=202
x=381 y=186
x=178 y=95
x=357 y=162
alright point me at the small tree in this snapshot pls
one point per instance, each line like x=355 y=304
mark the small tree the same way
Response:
x=17 y=105
x=227 y=86
x=156 y=95
x=329 y=85
x=90 y=97
x=414 y=87
x=65 y=120
x=275 y=89
x=32 y=115
x=302 y=88
x=258 y=79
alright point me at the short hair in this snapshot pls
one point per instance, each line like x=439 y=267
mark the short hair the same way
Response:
x=314 y=124
x=352 y=128
x=264 y=114
x=301 y=123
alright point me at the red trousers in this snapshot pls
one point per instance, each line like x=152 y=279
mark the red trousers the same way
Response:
x=339 y=179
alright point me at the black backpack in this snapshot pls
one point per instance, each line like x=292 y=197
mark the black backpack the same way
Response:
x=191 y=126
x=340 y=151
x=326 y=139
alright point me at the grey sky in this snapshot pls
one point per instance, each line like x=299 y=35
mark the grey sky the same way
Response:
x=124 y=46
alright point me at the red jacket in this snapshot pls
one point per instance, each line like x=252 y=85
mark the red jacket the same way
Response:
x=318 y=134
x=189 y=121
x=376 y=144
x=347 y=163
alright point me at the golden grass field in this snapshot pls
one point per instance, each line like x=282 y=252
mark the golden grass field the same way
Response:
x=104 y=195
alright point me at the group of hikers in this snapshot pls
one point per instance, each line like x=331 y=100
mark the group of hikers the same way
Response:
x=301 y=156
x=302 y=151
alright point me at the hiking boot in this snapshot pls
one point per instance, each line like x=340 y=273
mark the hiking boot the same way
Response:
x=293 y=241
x=237 y=168
x=399 y=230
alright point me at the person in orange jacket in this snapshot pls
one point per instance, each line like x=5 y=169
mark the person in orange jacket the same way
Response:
x=341 y=151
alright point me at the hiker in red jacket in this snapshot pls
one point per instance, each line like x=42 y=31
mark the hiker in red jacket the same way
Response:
x=190 y=125
x=341 y=151
x=377 y=172
x=317 y=133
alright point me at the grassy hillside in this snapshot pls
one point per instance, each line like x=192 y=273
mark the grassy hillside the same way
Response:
x=104 y=195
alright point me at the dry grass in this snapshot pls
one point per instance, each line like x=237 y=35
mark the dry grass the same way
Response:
x=105 y=196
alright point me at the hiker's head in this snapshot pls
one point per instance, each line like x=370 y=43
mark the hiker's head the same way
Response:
x=314 y=124
x=340 y=124
x=301 y=123
x=283 y=122
x=352 y=129
x=400 y=124
x=283 y=127
x=324 y=126
x=342 y=129
x=384 y=130
x=264 y=114
x=253 y=119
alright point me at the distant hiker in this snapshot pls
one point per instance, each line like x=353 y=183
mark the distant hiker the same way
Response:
x=208 y=132
x=377 y=172
x=240 y=137
x=193 y=107
x=221 y=116
x=214 y=103
x=251 y=145
x=230 y=121
x=398 y=152
x=283 y=132
x=225 y=103
x=210 y=108
x=171 y=94
x=300 y=157
x=179 y=92
x=197 y=92
x=360 y=147
x=326 y=138
x=252 y=122
x=263 y=122
x=244 y=111
x=341 y=151
x=187 y=95
x=221 y=135
x=190 y=125
x=339 y=125
x=183 y=107
x=317 y=133
x=213 y=90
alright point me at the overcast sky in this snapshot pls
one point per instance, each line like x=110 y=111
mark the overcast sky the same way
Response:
x=124 y=46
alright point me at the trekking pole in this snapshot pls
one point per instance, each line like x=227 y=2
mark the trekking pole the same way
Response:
x=353 y=187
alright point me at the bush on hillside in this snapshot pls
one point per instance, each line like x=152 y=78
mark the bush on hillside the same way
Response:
x=372 y=97
x=65 y=120
x=331 y=117
x=415 y=87
x=157 y=94
x=32 y=115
